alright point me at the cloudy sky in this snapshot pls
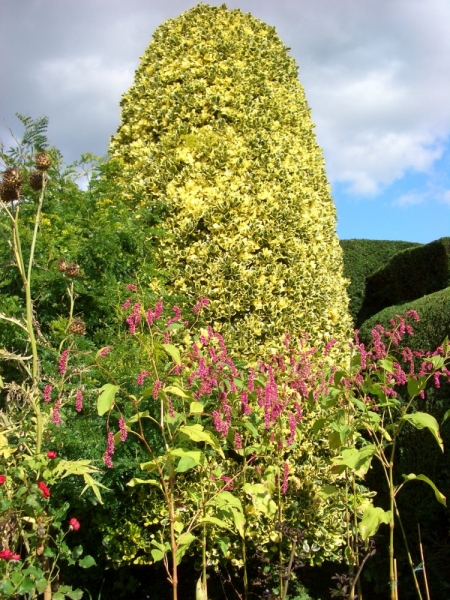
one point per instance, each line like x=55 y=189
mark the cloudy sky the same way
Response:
x=375 y=72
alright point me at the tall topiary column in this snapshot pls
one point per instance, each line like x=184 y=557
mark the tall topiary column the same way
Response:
x=216 y=126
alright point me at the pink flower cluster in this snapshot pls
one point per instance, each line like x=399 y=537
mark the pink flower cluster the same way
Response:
x=7 y=554
x=153 y=315
x=63 y=361
x=109 y=451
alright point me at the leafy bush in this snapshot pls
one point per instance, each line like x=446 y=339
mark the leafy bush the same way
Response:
x=362 y=258
x=217 y=127
x=409 y=275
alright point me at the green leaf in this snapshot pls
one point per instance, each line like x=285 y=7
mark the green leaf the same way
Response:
x=183 y=543
x=77 y=552
x=41 y=585
x=197 y=434
x=75 y=594
x=106 y=398
x=387 y=365
x=215 y=521
x=26 y=587
x=251 y=428
x=7 y=588
x=87 y=561
x=422 y=420
x=446 y=416
x=437 y=361
x=136 y=481
x=148 y=466
x=156 y=554
x=173 y=352
x=189 y=459
x=356 y=460
x=439 y=496
x=261 y=498
x=177 y=391
x=415 y=386
x=135 y=418
x=372 y=518
x=196 y=408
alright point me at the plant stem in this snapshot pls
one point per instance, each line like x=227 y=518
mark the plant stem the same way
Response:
x=423 y=563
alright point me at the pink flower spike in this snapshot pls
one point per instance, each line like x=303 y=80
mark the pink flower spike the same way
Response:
x=157 y=386
x=123 y=429
x=126 y=304
x=63 y=362
x=51 y=454
x=140 y=378
x=200 y=304
x=131 y=287
x=55 y=415
x=79 y=400
x=44 y=489
x=48 y=393
x=177 y=316
x=104 y=351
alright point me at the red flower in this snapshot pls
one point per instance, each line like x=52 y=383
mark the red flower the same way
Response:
x=9 y=555
x=74 y=524
x=52 y=454
x=2 y=479
x=44 y=489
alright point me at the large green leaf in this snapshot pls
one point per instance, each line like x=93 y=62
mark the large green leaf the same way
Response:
x=183 y=543
x=173 y=352
x=197 y=434
x=356 y=460
x=415 y=386
x=189 y=459
x=87 y=561
x=106 y=398
x=372 y=518
x=177 y=391
x=439 y=496
x=136 y=481
x=421 y=420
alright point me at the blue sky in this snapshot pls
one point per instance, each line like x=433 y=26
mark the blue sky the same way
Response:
x=375 y=74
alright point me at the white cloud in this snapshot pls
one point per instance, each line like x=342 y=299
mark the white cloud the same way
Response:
x=375 y=74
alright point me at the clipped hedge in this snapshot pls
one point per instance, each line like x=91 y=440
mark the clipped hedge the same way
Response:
x=362 y=258
x=410 y=274
x=217 y=126
x=418 y=451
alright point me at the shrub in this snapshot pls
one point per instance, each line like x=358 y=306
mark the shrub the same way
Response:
x=409 y=275
x=217 y=127
x=362 y=258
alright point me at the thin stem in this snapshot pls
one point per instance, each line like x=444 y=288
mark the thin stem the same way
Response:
x=423 y=563
x=411 y=564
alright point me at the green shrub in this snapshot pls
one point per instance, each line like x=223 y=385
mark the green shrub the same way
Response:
x=410 y=274
x=362 y=258
x=217 y=127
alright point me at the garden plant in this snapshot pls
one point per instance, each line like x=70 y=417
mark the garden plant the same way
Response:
x=213 y=347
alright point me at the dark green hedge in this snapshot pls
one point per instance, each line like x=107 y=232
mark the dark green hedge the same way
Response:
x=410 y=274
x=418 y=452
x=362 y=258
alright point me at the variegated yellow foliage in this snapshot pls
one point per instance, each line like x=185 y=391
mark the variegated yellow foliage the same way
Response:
x=217 y=127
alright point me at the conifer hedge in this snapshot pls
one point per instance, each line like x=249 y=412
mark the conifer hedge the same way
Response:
x=216 y=126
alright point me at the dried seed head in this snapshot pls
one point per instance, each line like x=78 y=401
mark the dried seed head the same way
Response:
x=78 y=327
x=62 y=265
x=12 y=179
x=43 y=161
x=9 y=195
x=37 y=179
x=72 y=269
